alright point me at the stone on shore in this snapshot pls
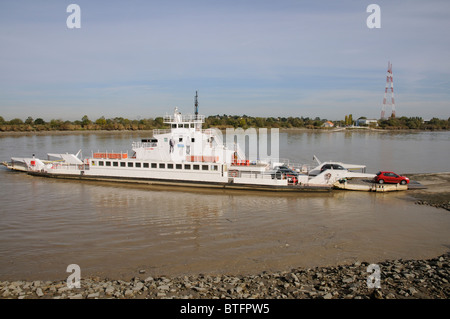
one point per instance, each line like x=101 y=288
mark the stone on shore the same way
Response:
x=411 y=279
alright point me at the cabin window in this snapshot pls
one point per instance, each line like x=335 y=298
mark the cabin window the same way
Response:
x=180 y=139
x=180 y=125
x=130 y=164
x=186 y=125
x=116 y=164
x=145 y=165
x=123 y=164
x=93 y=163
x=138 y=164
x=154 y=165
x=214 y=167
x=196 y=167
x=204 y=167
x=192 y=140
x=170 y=166
x=174 y=126
x=108 y=163
x=192 y=125
x=187 y=166
x=162 y=165
x=101 y=163
x=178 y=166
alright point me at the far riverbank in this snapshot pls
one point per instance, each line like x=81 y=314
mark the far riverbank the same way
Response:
x=150 y=132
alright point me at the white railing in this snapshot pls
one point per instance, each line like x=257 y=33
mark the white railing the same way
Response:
x=143 y=144
x=70 y=167
x=161 y=131
x=255 y=175
x=192 y=118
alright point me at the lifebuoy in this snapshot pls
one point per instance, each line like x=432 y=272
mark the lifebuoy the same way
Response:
x=233 y=173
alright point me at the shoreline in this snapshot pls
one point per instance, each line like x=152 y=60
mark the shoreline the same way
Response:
x=437 y=191
x=282 y=130
x=399 y=279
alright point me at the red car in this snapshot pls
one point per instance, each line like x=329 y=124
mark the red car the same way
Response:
x=390 y=177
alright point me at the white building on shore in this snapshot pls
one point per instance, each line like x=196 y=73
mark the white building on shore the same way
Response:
x=363 y=121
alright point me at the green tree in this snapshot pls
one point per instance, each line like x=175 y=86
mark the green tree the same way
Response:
x=159 y=121
x=85 y=121
x=39 y=121
x=29 y=120
x=101 y=121
x=16 y=121
x=56 y=124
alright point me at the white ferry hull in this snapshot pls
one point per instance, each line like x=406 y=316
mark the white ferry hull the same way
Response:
x=186 y=183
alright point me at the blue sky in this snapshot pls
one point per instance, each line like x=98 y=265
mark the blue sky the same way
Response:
x=140 y=59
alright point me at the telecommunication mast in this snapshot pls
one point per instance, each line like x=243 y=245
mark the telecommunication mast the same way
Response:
x=389 y=87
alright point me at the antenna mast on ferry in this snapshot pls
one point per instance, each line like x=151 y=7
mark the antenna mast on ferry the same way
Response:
x=196 y=104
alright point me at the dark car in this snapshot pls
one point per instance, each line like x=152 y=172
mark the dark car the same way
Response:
x=331 y=166
x=284 y=172
x=390 y=177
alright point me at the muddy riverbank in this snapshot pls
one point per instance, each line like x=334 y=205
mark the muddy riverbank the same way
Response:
x=436 y=192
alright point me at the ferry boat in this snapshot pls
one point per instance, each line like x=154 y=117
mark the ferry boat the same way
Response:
x=188 y=155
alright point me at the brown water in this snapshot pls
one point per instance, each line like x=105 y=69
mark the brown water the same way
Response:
x=115 y=230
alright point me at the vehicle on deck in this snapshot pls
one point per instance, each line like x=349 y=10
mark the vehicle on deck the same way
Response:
x=331 y=166
x=390 y=177
x=283 y=172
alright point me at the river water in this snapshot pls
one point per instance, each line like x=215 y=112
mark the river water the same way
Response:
x=116 y=230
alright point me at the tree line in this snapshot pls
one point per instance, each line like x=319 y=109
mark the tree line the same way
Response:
x=219 y=121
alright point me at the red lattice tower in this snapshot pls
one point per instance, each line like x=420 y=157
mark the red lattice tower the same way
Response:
x=389 y=90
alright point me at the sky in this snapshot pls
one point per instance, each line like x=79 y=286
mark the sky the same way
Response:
x=141 y=59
